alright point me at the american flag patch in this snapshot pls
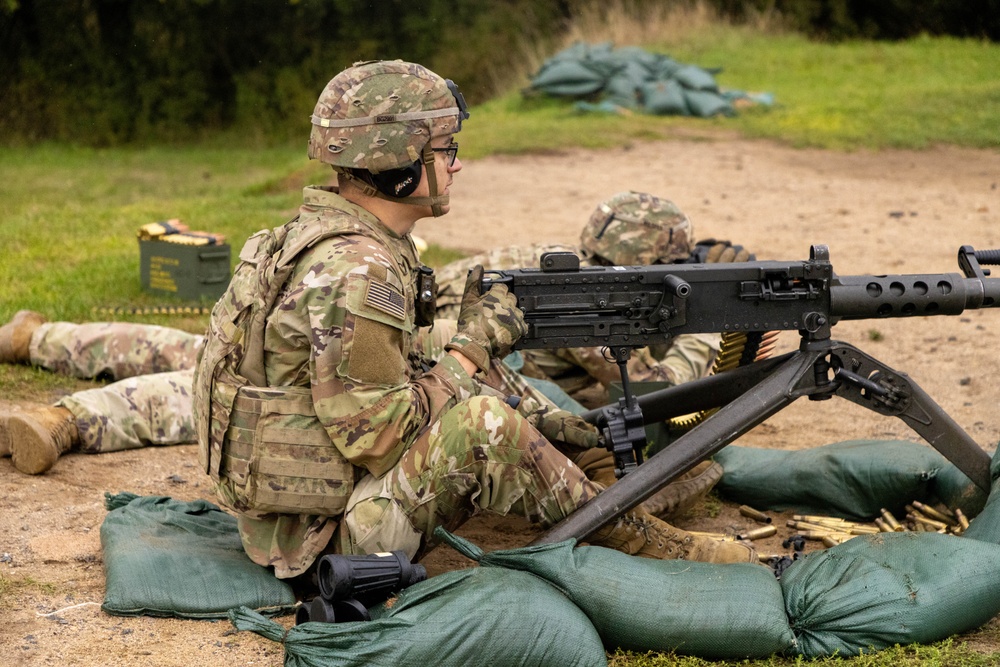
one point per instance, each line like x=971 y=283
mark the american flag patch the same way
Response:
x=381 y=296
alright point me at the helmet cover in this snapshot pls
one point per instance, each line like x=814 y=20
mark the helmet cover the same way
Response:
x=633 y=228
x=379 y=115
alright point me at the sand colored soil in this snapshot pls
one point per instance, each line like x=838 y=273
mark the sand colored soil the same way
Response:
x=886 y=212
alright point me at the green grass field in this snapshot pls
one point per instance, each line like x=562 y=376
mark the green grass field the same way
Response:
x=70 y=216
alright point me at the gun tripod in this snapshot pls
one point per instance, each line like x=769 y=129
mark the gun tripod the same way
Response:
x=747 y=396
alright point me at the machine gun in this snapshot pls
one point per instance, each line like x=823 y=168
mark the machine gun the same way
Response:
x=626 y=307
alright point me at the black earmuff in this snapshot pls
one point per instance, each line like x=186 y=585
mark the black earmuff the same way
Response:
x=398 y=182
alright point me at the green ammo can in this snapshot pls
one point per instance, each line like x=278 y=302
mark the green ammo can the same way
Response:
x=185 y=271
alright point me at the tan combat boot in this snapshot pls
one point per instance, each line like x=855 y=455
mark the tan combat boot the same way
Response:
x=641 y=534
x=39 y=436
x=675 y=499
x=15 y=336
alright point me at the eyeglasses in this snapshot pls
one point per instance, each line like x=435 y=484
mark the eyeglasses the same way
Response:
x=450 y=151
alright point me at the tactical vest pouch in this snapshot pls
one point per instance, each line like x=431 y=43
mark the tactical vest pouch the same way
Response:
x=279 y=458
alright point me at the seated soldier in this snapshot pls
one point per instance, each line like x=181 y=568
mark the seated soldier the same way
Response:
x=310 y=368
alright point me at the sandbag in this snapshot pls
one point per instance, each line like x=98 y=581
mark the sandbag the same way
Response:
x=164 y=557
x=731 y=611
x=664 y=98
x=479 y=616
x=853 y=479
x=986 y=526
x=876 y=591
x=704 y=103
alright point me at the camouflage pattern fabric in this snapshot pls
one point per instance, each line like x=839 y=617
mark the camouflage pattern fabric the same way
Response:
x=488 y=323
x=635 y=228
x=112 y=350
x=344 y=118
x=136 y=412
x=343 y=326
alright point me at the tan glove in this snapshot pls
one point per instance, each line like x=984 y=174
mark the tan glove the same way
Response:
x=488 y=324
x=725 y=252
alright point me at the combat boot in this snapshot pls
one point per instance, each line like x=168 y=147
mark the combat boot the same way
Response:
x=675 y=499
x=39 y=436
x=640 y=534
x=15 y=336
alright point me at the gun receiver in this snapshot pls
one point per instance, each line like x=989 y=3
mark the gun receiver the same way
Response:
x=565 y=305
x=625 y=307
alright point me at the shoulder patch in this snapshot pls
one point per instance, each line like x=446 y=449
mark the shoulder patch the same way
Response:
x=385 y=298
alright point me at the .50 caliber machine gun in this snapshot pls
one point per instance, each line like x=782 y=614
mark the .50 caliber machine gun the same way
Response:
x=626 y=307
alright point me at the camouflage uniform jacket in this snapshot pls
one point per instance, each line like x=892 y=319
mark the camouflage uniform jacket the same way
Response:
x=575 y=369
x=336 y=344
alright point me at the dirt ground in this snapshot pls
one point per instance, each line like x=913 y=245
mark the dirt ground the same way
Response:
x=887 y=212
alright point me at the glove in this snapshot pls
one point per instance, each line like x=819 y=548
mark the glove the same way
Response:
x=488 y=324
x=724 y=252
x=561 y=425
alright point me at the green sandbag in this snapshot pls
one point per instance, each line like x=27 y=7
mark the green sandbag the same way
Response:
x=477 y=616
x=708 y=610
x=853 y=479
x=664 y=98
x=164 y=557
x=986 y=526
x=706 y=104
x=568 y=78
x=876 y=591
x=693 y=77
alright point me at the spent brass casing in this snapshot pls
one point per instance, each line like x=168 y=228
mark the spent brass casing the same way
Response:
x=820 y=534
x=929 y=511
x=715 y=536
x=920 y=518
x=962 y=520
x=759 y=533
x=831 y=541
x=756 y=515
x=883 y=526
x=858 y=529
x=890 y=520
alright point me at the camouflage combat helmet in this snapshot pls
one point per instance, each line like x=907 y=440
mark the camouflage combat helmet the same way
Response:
x=636 y=228
x=379 y=117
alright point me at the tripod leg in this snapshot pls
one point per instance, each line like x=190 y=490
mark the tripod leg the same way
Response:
x=868 y=382
x=760 y=402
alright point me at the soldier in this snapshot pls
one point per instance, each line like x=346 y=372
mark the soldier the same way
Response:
x=323 y=425
x=630 y=228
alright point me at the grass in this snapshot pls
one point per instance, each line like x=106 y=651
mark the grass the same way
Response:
x=70 y=215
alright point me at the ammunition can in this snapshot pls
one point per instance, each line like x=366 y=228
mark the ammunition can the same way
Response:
x=187 y=272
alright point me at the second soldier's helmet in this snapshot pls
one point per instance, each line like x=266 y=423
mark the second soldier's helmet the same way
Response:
x=379 y=117
x=633 y=228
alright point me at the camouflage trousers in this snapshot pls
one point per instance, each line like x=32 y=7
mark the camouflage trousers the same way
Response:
x=151 y=402
x=480 y=456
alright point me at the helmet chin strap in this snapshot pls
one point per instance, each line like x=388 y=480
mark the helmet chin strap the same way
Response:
x=437 y=202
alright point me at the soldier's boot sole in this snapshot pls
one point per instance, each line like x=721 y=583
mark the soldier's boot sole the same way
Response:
x=39 y=436
x=15 y=336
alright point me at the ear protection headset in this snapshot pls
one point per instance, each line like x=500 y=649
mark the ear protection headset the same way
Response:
x=398 y=182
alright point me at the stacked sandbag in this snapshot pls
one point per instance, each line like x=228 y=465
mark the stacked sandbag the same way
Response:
x=853 y=479
x=479 y=616
x=718 y=611
x=632 y=78
x=876 y=591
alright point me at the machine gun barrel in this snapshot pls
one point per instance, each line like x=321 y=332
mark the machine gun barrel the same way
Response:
x=565 y=305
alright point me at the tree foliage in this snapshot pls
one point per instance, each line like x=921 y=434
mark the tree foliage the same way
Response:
x=108 y=72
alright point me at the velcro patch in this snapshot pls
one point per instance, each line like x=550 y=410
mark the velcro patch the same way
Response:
x=383 y=297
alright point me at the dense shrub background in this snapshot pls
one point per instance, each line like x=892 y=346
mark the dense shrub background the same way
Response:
x=111 y=72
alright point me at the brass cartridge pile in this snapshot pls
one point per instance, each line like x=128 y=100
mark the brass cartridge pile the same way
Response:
x=829 y=530
x=175 y=231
